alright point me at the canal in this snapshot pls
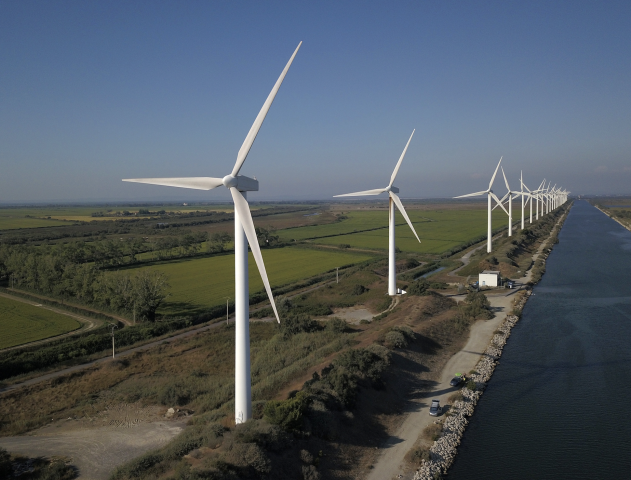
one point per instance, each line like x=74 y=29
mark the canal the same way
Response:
x=557 y=406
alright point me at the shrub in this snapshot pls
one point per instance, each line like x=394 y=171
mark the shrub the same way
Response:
x=306 y=457
x=358 y=290
x=174 y=394
x=5 y=463
x=418 y=287
x=395 y=339
x=342 y=382
x=294 y=324
x=362 y=362
x=337 y=325
x=455 y=397
x=471 y=385
x=309 y=472
x=421 y=454
x=287 y=413
x=344 y=245
x=432 y=431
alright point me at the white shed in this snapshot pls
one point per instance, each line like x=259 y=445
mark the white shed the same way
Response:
x=489 y=278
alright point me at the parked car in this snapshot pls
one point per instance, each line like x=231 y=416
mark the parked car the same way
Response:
x=435 y=408
x=457 y=380
x=510 y=284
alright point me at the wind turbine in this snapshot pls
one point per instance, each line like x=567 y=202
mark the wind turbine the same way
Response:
x=490 y=195
x=523 y=195
x=392 y=192
x=510 y=205
x=244 y=234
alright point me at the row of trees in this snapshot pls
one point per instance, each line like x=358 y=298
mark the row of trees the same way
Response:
x=137 y=294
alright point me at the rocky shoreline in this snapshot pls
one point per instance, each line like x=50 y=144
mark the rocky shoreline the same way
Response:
x=443 y=451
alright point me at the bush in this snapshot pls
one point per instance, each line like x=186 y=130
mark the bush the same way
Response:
x=432 y=431
x=395 y=339
x=5 y=463
x=362 y=362
x=344 y=245
x=358 y=290
x=421 y=454
x=418 y=287
x=455 y=397
x=294 y=324
x=471 y=385
x=336 y=325
x=287 y=413
x=174 y=394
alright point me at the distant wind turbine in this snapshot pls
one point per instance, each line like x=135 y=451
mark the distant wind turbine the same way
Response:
x=490 y=195
x=392 y=192
x=244 y=233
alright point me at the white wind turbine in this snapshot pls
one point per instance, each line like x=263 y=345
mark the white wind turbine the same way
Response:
x=524 y=194
x=392 y=192
x=510 y=197
x=490 y=195
x=244 y=233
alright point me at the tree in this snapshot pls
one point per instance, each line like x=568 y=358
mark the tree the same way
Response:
x=217 y=242
x=266 y=237
x=150 y=290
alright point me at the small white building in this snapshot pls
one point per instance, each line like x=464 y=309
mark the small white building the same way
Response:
x=489 y=278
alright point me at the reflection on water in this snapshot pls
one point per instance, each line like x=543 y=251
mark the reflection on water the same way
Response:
x=557 y=406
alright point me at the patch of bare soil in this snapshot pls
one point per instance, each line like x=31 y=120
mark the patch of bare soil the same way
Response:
x=96 y=444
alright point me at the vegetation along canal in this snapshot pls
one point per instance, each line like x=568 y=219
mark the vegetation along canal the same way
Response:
x=558 y=403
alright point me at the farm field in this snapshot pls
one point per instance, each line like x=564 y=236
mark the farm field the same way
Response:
x=12 y=222
x=22 y=323
x=201 y=283
x=439 y=230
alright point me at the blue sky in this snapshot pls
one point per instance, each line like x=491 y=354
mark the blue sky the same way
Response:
x=92 y=92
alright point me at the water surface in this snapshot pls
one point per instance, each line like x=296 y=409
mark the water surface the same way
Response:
x=558 y=405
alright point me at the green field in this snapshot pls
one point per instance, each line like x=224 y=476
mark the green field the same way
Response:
x=200 y=283
x=22 y=323
x=11 y=222
x=439 y=230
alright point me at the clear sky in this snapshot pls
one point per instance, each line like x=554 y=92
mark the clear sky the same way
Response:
x=93 y=92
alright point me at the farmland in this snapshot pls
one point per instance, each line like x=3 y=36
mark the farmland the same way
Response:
x=200 y=283
x=22 y=323
x=439 y=230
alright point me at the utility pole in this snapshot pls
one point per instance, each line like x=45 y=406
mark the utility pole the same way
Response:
x=337 y=274
x=113 y=327
x=227 y=311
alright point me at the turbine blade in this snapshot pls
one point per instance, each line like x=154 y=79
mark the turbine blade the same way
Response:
x=501 y=201
x=376 y=191
x=197 y=183
x=254 y=130
x=243 y=209
x=498 y=201
x=505 y=181
x=472 y=194
x=397 y=200
x=396 y=169
x=495 y=173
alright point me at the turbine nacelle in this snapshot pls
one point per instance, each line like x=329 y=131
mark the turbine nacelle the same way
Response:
x=391 y=189
x=241 y=183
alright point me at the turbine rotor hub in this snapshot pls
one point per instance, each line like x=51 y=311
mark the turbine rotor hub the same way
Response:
x=229 y=181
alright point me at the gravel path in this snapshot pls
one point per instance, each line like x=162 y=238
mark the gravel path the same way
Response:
x=391 y=463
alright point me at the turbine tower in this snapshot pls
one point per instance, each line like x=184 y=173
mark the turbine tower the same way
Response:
x=490 y=195
x=394 y=199
x=524 y=195
x=244 y=234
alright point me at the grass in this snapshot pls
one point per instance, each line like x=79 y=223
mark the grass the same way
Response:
x=201 y=283
x=22 y=323
x=439 y=230
x=12 y=222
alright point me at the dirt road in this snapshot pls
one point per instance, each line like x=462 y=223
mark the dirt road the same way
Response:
x=391 y=463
